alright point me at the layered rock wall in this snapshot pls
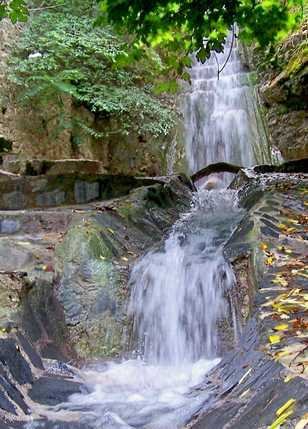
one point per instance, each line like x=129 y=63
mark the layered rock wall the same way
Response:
x=284 y=92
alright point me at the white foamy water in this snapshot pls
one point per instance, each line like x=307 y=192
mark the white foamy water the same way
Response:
x=221 y=117
x=179 y=295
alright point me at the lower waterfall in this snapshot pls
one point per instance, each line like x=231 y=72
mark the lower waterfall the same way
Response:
x=179 y=292
x=179 y=296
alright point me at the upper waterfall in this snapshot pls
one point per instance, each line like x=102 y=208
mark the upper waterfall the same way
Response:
x=221 y=118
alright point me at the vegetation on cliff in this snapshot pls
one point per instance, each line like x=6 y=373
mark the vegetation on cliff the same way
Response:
x=61 y=54
x=282 y=70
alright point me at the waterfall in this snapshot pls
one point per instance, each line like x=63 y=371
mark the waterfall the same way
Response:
x=179 y=296
x=179 y=292
x=222 y=121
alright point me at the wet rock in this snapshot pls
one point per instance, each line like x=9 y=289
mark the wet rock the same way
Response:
x=14 y=200
x=296 y=166
x=85 y=192
x=248 y=388
x=50 y=199
x=10 y=289
x=10 y=356
x=31 y=353
x=94 y=257
x=13 y=256
x=56 y=424
x=21 y=365
x=42 y=318
x=70 y=266
x=54 y=390
x=284 y=93
x=24 y=192
x=9 y=226
x=6 y=404
x=12 y=395
x=251 y=382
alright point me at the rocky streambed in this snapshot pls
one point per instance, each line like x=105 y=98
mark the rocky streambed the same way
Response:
x=64 y=290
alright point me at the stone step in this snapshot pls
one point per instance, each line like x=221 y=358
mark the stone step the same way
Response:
x=37 y=167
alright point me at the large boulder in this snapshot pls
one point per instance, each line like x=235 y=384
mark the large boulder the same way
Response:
x=64 y=270
x=94 y=261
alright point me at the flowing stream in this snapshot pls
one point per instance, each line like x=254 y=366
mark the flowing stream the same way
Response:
x=180 y=293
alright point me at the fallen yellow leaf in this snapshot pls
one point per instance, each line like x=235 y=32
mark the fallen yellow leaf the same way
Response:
x=294 y=221
x=280 y=420
x=274 y=339
x=263 y=246
x=269 y=260
x=281 y=327
x=282 y=226
x=280 y=281
x=285 y=407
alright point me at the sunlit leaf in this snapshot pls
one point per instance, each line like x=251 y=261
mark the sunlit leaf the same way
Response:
x=263 y=246
x=281 y=419
x=274 y=339
x=281 y=327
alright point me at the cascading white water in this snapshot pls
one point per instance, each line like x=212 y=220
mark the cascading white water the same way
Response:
x=222 y=122
x=179 y=293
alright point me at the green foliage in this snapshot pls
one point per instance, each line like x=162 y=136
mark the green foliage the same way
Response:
x=201 y=26
x=61 y=54
x=290 y=42
x=16 y=10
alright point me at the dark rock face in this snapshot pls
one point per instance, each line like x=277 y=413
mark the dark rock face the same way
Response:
x=248 y=389
x=12 y=358
x=266 y=368
x=285 y=96
x=52 y=190
x=22 y=376
x=94 y=259
x=38 y=167
x=54 y=390
x=64 y=271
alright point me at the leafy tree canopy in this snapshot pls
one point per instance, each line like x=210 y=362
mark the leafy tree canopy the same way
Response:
x=16 y=10
x=202 y=25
